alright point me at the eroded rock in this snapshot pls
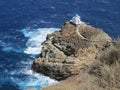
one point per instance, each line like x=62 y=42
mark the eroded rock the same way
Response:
x=64 y=53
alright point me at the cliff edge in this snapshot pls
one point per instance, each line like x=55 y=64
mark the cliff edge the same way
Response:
x=70 y=51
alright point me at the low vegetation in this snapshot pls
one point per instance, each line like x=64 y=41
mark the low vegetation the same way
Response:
x=105 y=75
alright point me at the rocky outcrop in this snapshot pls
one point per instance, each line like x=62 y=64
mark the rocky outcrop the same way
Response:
x=65 y=53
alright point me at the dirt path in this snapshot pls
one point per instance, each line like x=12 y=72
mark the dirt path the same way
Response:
x=77 y=30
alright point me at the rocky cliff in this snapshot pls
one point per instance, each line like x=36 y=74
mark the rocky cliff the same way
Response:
x=66 y=53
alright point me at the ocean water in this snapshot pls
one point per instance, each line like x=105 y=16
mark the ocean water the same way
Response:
x=24 y=25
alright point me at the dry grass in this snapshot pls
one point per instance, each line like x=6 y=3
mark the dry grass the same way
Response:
x=102 y=76
x=108 y=72
x=60 y=87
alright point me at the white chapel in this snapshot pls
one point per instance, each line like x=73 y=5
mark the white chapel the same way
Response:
x=76 y=20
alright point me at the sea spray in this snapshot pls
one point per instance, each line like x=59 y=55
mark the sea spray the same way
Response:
x=33 y=48
x=35 y=39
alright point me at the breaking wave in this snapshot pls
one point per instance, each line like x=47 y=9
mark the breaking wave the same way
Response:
x=33 y=80
x=33 y=47
x=35 y=39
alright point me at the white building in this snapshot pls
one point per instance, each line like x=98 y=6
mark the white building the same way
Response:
x=76 y=20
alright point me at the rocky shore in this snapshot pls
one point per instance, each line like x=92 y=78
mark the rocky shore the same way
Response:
x=65 y=53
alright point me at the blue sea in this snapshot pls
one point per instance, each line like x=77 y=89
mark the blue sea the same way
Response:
x=24 y=25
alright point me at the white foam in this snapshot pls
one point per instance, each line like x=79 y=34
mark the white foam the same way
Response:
x=2 y=43
x=33 y=47
x=33 y=80
x=9 y=48
x=52 y=7
x=36 y=37
x=45 y=22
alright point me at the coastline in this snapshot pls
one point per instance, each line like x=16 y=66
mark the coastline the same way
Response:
x=95 y=63
x=71 y=65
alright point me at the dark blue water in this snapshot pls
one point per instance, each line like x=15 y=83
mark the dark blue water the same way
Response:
x=24 y=25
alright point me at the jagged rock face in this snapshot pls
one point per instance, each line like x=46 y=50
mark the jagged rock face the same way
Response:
x=64 y=53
